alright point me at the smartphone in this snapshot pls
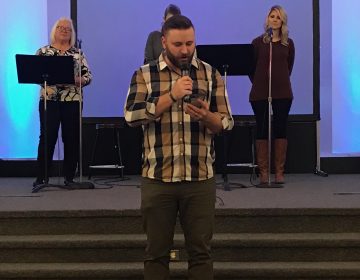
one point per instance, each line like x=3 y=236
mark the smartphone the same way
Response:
x=193 y=99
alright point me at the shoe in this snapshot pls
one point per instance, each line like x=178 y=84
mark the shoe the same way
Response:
x=38 y=182
x=69 y=182
x=262 y=159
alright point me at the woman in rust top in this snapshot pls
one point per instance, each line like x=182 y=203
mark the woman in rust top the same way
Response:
x=283 y=54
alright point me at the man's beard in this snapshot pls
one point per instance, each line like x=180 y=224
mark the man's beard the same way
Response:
x=176 y=61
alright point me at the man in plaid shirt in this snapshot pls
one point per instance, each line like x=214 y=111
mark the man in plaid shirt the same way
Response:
x=180 y=113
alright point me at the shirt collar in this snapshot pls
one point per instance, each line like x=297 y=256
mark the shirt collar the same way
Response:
x=162 y=63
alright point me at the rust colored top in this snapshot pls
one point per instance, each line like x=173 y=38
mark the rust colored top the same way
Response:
x=282 y=64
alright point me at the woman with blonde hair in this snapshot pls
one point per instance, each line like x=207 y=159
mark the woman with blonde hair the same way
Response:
x=283 y=55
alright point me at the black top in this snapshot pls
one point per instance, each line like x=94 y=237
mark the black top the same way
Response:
x=153 y=46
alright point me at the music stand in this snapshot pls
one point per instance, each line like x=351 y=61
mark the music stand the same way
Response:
x=233 y=60
x=46 y=70
x=80 y=184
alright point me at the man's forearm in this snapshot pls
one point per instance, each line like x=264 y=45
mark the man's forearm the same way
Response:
x=163 y=104
x=213 y=122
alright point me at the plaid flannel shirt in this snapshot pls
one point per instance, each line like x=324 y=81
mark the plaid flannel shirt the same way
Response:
x=176 y=147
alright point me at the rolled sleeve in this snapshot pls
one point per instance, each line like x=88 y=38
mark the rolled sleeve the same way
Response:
x=227 y=122
x=222 y=105
x=140 y=107
x=85 y=70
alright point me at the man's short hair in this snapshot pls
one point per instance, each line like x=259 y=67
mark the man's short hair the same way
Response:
x=176 y=22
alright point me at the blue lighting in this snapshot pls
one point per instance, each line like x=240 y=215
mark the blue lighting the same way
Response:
x=25 y=32
x=346 y=76
x=25 y=28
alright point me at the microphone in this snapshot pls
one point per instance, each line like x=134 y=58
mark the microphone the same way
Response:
x=269 y=32
x=185 y=69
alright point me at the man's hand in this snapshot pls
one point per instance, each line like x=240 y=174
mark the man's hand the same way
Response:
x=198 y=113
x=182 y=87
x=211 y=120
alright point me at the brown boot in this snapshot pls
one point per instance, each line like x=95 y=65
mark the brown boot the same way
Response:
x=262 y=159
x=280 y=158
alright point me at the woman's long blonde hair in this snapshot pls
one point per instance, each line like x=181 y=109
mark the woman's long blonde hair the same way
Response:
x=284 y=31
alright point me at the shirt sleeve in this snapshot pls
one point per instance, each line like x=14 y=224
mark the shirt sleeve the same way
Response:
x=255 y=46
x=149 y=49
x=140 y=105
x=291 y=58
x=85 y=70
x=220 y=102
x=41 y=51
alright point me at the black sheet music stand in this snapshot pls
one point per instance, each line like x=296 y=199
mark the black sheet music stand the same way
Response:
x=233 y=60
x=45 y=70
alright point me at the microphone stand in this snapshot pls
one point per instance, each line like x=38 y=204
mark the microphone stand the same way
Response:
x=318 y=170
x=80 y=184
x=269 y=183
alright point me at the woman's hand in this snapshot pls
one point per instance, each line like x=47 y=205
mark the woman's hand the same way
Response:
x=79 y=81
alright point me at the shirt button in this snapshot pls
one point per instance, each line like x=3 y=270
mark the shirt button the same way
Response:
x=181 y=139
x=180 y=123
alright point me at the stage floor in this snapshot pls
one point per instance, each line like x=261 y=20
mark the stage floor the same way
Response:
x=300 y=191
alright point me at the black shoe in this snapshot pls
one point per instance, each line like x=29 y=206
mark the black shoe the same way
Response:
x=38 y=182
x=69 y=182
